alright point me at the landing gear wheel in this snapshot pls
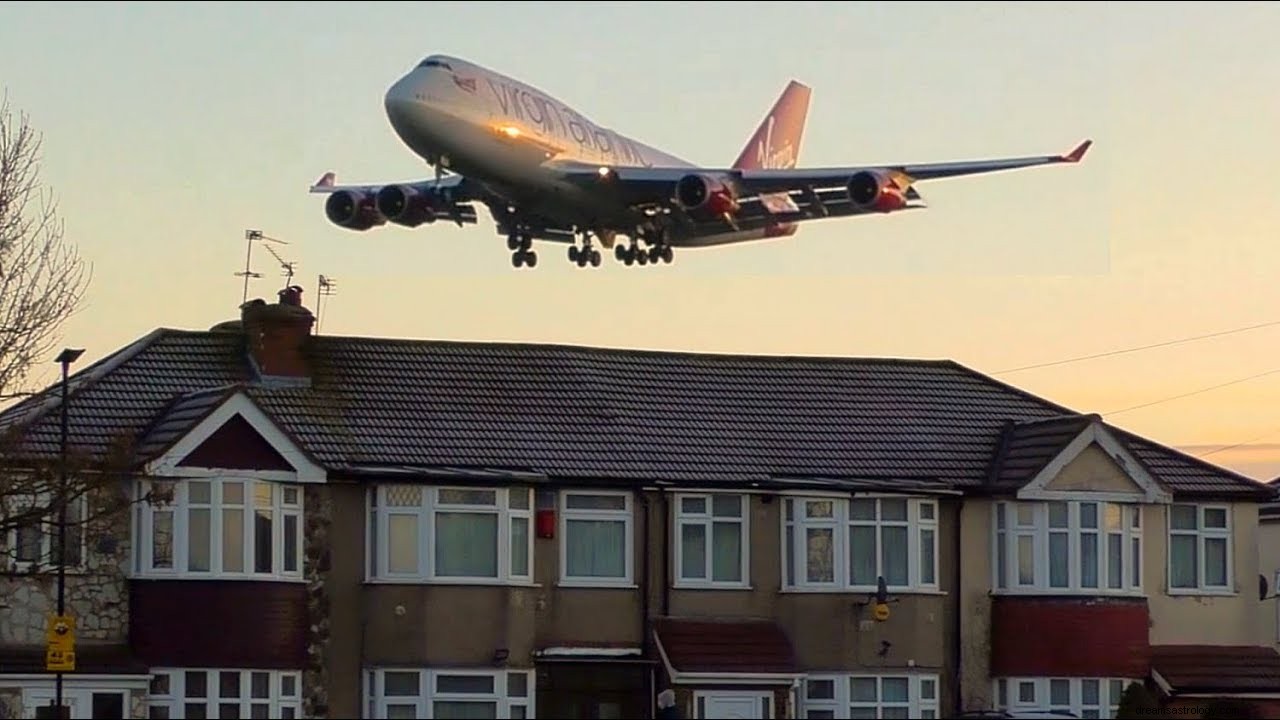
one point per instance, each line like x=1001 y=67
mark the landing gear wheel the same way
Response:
x=517 y=259
x=667 y=254
x=642 y=257
x=620 y=253
x=595 y=258
x=512 y=242
x=531 y=258
x=573 y=254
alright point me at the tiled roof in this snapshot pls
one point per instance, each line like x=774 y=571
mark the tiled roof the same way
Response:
x=587 y=413
x=1217 y=668
x=1027 y=447
x=739 y=646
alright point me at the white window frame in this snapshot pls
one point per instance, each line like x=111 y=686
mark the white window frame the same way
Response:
x=168 y=690
x=1006 y=691
x=841 y=704
x=376 y=701
x=765 y=700
x=625 y=516
x=377 y=563
x=180 y=506
x=1008 y=532
x=796 y=522
x=77 y=507
x=707 y=520
x=1202 y=533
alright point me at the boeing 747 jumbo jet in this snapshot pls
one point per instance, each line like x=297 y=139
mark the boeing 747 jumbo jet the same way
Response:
x=546 y=172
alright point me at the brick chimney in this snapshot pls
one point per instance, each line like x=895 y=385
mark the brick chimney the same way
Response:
x=277 y=335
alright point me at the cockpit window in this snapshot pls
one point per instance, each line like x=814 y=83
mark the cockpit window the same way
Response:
x=429 y=62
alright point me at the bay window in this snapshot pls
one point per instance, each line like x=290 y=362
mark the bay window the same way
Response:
x=221 y=693
x=1073 y=546
x=596 y=545
x=219 y=528
x=1200 y=547
x=458 y=535
x=913 y=695
x=448 y=693
x=848 y=544
x=713 y=537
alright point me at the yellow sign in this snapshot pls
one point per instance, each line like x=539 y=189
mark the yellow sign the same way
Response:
x=882 y=612
x=60 y=644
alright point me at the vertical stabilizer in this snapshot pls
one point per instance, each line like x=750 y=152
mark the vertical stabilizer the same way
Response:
x=776 y=143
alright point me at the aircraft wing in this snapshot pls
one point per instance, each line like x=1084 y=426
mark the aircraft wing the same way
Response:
x=327 y=184
x=655 y=184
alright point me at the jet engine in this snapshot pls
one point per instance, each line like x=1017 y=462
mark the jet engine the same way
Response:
x=353 y=210
x=876 y=191
x=403 y=205
x=707 y=194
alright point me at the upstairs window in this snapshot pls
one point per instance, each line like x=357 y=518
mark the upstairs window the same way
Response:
x=221 y=528
x=32 y=541
x=1083 y=547
x=847 y=545
x=458 y=535
x=596 y=547
x=1200 y=548
x=712 y=532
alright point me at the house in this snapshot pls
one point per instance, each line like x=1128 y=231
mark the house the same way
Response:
x=347 y=526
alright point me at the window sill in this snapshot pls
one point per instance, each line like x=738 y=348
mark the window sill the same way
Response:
x=729 y=587
x=1063 y=592
x=193 y=577
x=860 y=591
x=452 y=582
x=1201 y=592
x=597 y=585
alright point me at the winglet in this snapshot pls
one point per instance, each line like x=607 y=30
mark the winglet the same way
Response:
x=1078 y=154
x=326 y=181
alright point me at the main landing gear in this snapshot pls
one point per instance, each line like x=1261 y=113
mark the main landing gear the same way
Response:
x=521 y=243
x=585 y=254
x=633 y=253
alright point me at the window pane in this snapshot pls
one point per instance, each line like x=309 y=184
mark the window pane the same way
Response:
x=403 y=496
x=1182 y=517
x=1059 y=692
x=896 y=712
x=1089 y=691
x=232 y=493
x=693 y=551
x=596 y=502
x=926 y=511
x=449 y=710
x=1026 y=515
x=1026 y=560
x=402 y=712
x=862 y=554
x=726 y=551
x=1088 y=515
x=291 y=495
x=1089 y=560
x=399 y=684
x=693 y=506
x=198 y=539
x=894 y=690
x=198 y=492
x=820 y=689
x=470 y=684
x=821 y=508
x=862 y=510
x=926 y=557
x=858 y=713
x=1057 y=514
x=791 y=555
x=820 y=714
x=519 y=546
x=517 y=685
x=1135 y=563
x=862 y=689
x=1182 y=561
x=895 y=555
x=402 y=543
x=1215 y=561
x=1215 y=518
x=29 y=536
x=726 y=506
x=1115 y=560
x=821 y=555
x=928 y=689
x=1114 y=517
x=467 y=544
x=290 y=543
x=595 y=548
x=1002 y=562
x=260 y=685
x=262 y=540
x=1059 y=562
x=893 y=510
x=195 y=684
x=289 y=686
x=229 y=684
x=454 y=496
x=107 y=704
x=233 y=540
x=518 y=498
x=1026 y=692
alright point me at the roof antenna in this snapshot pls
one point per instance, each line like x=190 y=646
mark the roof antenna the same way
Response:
x=328 y=286
x=285 y=265
x=250 y=236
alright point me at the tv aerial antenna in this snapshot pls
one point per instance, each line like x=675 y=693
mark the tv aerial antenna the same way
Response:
x=286 y=265
x=328 y=286
x=250 y=236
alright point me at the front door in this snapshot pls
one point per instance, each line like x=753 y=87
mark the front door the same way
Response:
x=735 y=705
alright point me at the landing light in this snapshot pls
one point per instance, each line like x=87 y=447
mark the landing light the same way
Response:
x=511 y=131
x=604 y=172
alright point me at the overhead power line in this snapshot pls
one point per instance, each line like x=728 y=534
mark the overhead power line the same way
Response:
x=1140 y=348
x=1193 y=392
x=1224 y=448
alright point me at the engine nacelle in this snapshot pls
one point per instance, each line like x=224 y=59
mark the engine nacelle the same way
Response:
x=706 y=194
x=353 y=210
x=876 y=191
x=403 y=205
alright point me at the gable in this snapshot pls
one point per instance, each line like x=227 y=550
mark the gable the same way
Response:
x=1097 y=465
x=1093 y=470
x=236 y=445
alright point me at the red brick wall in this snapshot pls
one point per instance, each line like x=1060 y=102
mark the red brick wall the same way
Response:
x=1071 y=637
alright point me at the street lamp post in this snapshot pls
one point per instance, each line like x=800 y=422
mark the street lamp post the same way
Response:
x=65 y=358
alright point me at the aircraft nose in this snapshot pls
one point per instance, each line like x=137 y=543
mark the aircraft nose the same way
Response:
x=400 y=98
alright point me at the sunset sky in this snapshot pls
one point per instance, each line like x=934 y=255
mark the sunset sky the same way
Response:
x=170 y=129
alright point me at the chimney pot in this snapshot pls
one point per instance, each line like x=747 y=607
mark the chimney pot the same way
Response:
x=277 y=334
x=291 y=295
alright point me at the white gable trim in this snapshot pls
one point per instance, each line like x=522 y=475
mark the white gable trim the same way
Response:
x=1151 y=490
x=305 y=471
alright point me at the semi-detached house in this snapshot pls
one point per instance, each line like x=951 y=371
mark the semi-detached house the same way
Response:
x=348 y=526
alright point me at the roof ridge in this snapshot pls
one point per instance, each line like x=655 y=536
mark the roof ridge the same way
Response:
x=1058 y=418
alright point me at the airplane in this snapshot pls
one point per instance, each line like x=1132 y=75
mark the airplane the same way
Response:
x=546 y=172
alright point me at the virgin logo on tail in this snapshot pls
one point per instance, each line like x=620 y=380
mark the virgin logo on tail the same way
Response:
x=767 y=158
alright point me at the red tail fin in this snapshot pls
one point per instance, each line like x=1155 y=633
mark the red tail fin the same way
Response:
x=776 y=143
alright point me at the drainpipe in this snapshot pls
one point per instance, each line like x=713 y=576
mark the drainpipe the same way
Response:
x=644 y=573
x=666 y=553
x=957 y=621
